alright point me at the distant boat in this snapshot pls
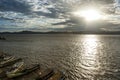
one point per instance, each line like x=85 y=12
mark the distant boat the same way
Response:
x=2 y=38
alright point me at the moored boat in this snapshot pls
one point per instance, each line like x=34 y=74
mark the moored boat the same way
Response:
x=11 y=69
x=57 y=76
x=24 y=72
x=9 y=62
x=44 y=75
x=5 y=58
x=17 y=67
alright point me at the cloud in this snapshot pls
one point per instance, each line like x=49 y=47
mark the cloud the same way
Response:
x=117 y=2
x=45 y=14
x=14 y=5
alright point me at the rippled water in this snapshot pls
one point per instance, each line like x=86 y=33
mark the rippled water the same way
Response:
x=80 y=57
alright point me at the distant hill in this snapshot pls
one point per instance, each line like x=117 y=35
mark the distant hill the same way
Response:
x=66 y=32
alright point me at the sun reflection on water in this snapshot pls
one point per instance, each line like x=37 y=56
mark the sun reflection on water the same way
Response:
x=87 y=65
x=90 y=45
x=89 y=56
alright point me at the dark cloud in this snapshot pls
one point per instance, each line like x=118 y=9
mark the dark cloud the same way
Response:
x=3 y=18
x=14 y=5
x=50 y=15
x=28 y=8
x=63 y=23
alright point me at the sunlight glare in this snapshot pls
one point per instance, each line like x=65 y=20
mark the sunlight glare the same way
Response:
x=89 y=14
x=90 y=51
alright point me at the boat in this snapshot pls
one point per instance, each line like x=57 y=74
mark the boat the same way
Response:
x=24 y=71
x=57 y=76
x=17 y=67
x=5 y=58
x=11 y=69
x=45 y=74
x=9 y=62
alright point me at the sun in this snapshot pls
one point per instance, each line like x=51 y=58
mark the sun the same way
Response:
x=88 y=14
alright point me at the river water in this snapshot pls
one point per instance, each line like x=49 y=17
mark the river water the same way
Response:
x=79 y=57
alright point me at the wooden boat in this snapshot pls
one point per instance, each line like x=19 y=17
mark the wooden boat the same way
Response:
x=5 y=58
x=24 y=72
x=45 y=74
x=9 y=62
x=11 y=69
x=57 y=76
x=17 y=67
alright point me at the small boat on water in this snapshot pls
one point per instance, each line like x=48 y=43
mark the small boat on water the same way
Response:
x=9 y=62
x=57 y=76
x=19 y=66
x=5 y=58
x=44 y=75
x=24 y=71
x=12 y=68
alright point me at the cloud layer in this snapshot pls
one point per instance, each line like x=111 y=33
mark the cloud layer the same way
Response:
x=46 y=15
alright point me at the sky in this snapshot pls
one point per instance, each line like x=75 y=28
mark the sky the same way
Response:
x=55 y=15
